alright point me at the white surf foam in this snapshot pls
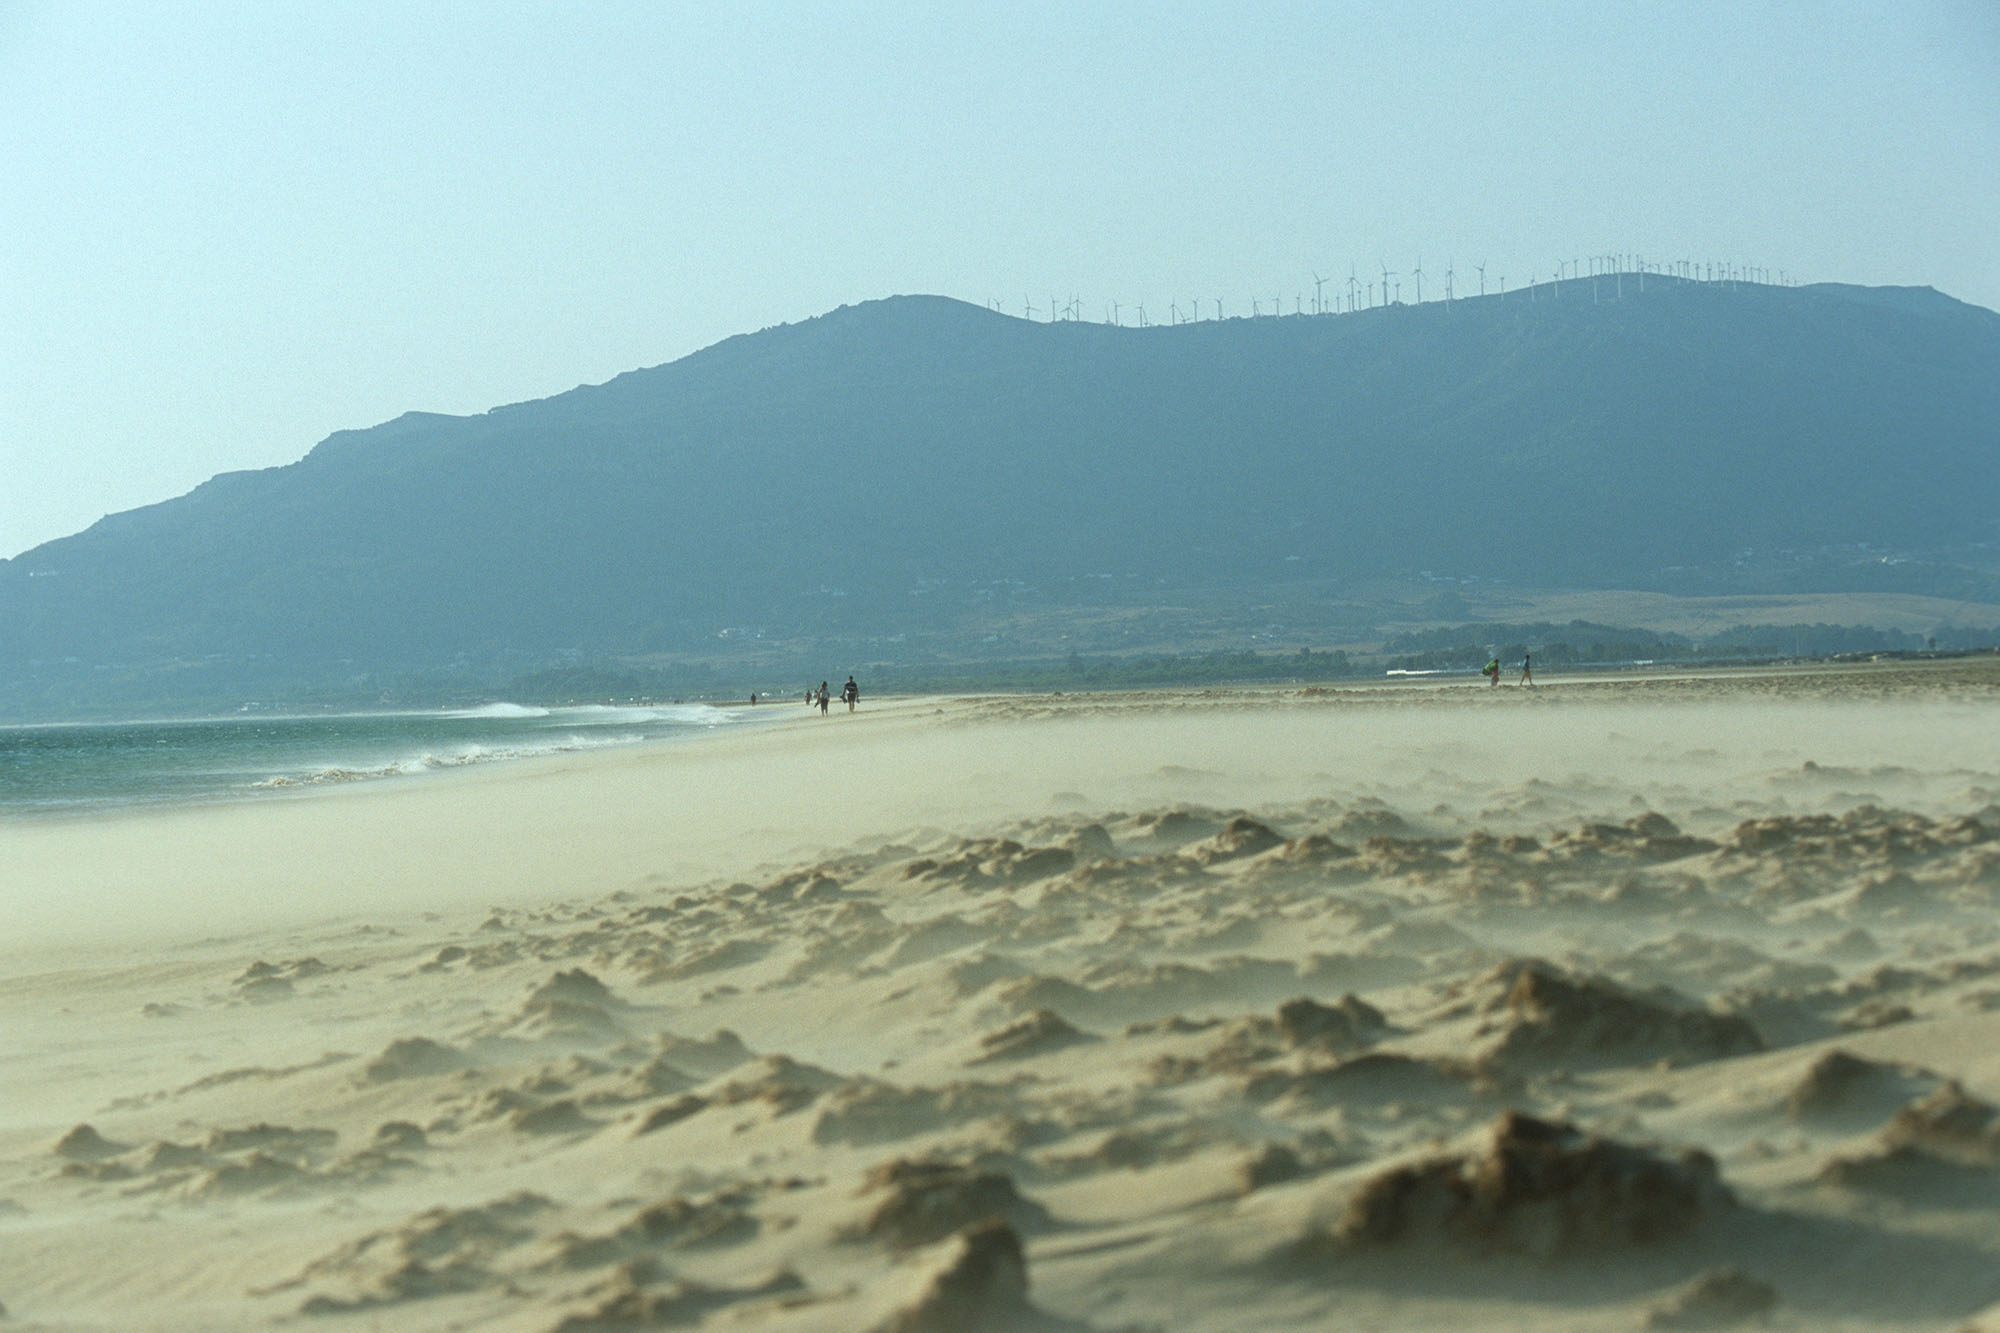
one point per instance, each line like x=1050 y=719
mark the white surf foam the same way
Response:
x=604 y=715
x=432 y=761
x=500 y=709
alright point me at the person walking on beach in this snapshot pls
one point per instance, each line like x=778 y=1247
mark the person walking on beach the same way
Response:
x=1491 y=671
x=1527 y=676
x=822 y=698
x=850 y=694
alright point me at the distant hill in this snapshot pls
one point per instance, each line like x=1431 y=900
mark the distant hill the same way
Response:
x=890 y=468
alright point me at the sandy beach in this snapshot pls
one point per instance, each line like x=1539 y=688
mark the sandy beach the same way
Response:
x=1632 y=1002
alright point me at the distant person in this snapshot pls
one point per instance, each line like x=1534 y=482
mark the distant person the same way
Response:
x=1527 y=673
x=850 y=694
x=823 y=697
x=1491 y=671
x=753 y=698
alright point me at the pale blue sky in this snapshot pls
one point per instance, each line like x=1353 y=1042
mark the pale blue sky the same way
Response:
x=229 y=229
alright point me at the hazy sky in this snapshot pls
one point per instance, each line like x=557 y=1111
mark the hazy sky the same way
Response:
x=227 y=230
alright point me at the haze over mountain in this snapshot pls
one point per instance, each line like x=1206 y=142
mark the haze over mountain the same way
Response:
x=883 y=468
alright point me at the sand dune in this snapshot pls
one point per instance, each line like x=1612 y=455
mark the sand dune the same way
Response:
x=1668 y=1003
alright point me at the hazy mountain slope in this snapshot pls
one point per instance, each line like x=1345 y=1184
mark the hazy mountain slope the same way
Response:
x=1560 y=442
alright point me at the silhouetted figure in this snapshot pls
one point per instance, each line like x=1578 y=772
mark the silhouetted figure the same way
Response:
x=1527 y=676
x=823 y=697
x=850 y=694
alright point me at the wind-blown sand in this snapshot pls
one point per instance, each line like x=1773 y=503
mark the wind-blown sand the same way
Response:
x=1667 y=1003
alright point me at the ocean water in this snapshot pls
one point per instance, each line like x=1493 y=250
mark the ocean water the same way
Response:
x=87 y=767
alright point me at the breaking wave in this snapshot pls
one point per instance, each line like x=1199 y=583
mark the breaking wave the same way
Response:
x=85 y=766
x=434 y=761
x=500 y=710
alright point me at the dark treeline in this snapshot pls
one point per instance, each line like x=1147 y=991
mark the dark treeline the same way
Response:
x=1077 y=672
x=1581 y=643
x=1829 y=640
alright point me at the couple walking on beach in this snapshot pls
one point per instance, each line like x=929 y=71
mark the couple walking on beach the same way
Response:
x=850 y=694
x=1492 y=670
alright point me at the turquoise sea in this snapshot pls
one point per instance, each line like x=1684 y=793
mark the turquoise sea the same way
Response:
x=80 y=768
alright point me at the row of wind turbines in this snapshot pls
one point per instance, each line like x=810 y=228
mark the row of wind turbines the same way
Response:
x=1373 y=295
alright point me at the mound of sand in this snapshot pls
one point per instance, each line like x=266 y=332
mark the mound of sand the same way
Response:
x=1552 y=1016
x=982 y=1284
x=1724 y=1298
x=918 y=1203
x=1536 y=1187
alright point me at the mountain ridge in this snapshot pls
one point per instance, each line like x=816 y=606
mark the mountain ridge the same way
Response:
x=826 y=477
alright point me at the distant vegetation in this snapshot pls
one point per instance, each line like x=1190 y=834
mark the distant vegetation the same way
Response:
x=1143 y=672
x=1581 y=643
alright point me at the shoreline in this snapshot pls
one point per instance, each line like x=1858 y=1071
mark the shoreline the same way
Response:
x=567 y=824
x=1963 y=669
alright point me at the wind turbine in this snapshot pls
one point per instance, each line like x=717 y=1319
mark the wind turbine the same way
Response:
x=1418 y=274
x=1447 y=282
x=1481 y=266
x=1319 y=299
x=1028 y=307
x=1385 y=284
x=1353 y=288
